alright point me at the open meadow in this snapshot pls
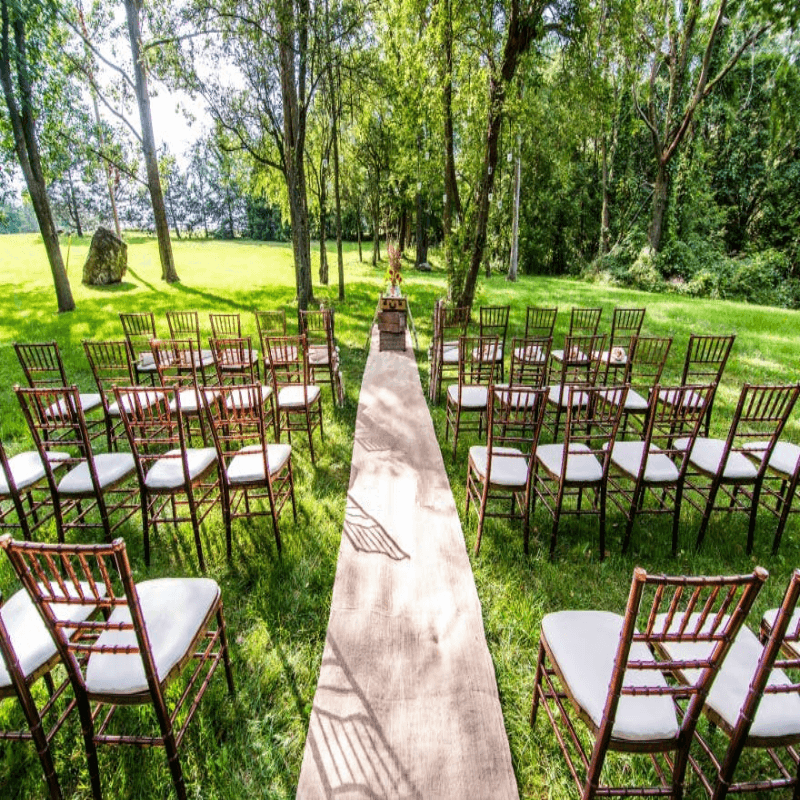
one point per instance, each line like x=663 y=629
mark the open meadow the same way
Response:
x=277 y=607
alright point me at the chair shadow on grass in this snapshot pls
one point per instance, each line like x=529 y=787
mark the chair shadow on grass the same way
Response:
x=366 y=533
x=348 y=744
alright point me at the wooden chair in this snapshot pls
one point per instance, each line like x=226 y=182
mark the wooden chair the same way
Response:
x=499 y=474
x=186 y=325
x=582 y=322
x=706 y=357
x=645 y=365
x=493 y=321
x=469 y=398
x=28 y=654
x=139 y=329
x=103 y=479
x=577 y=369
x=610 y=671
x=626 y=325
x=250 y=468
x=111 y=366
x=540 y=321
x=23 y=481
x=323 y=353
x=654 y=464
x=580 y=462
x=271 y=323
x=755 y=703
x=171 y=474
x=42 y=366
x=149 y=634
x=449 y=325
x=178 y=365
x=229 y=326
x=529 y=358
x=726 y=468
x=298 y=402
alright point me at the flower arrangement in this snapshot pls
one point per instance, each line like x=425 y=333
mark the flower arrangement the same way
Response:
x=393 y=271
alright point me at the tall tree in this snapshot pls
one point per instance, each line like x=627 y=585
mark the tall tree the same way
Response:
x=17 y=80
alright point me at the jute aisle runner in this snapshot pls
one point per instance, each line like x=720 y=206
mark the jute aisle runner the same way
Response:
x=407 y=703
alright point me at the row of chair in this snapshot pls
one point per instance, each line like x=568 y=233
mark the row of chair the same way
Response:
x=121 y=643
x=641 y=681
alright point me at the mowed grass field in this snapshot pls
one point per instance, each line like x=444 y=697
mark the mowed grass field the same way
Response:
x=277 y=608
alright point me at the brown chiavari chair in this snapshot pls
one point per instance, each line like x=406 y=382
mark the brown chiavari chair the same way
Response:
x=468 y=400
x=102 y=479
x=177 y=482
x=499 y=474
x=582 y=322
x=706 y=357
x=654 y=465
x=149 y=635
x=229 y=326
x=186 y=325
x=449 y=325
x=540 y=321
x=493 y=321
x=626 y=325
x=28 y=654
x=42 y=366
x=271 y=323
x=539 y=324
x=529 y=359
x=298 y=401
x=610 y=671
x=139 y=329
x=323 y=353
x=578 y=464
x=755 y=703
x=724 y=469
x=251 y=469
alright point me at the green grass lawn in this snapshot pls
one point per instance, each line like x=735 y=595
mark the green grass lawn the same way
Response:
x=277 y=608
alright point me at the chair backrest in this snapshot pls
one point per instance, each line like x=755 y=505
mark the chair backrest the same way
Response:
x=64 y=580
x=578 y=368
x=316 y=325
x=224 y=326
x=758 y=421
x=41 y=362
x=584 y=321
x=452 y=323
x=185 y=325
x=706 y=357
x=515 y=420
x=681 y=417
x=177 y=362
x=477 y=358
x=493 y=321
x=233 y=359
x=592 y=421
x=271 y=323
x=529 y=360
x=540 y=321
x=648 y=355
x=706 y=611
x=287 y=358
x=111 y=366
x=139 y=328
x=625 y=324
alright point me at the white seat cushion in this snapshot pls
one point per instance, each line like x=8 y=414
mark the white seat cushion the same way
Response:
x=145 y=399
x=450 y=354
x=29 y=635
x=27 y=469
x=318 y=355
x=514 y=398
x=239 y=398
x=769 y=619
x=247 y=466
x=777 y=715
x=88 y=401
x=690 y=399
x=188 y=399
x=173 y=610
x=634 y=402
x=474 y=397
x=487 y=351
x=785 y=458
x=707 y=456
x=167 y=473
x=558 y=395
x=659 y=467
x=295 y=397
x=110 y=467
x=584 y=646
x=532 y=354
x=509 y=465
x=582 y=464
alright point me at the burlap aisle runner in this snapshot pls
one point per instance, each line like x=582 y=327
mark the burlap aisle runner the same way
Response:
x=407 y=702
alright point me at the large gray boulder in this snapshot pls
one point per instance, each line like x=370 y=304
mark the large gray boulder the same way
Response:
x=107 y=261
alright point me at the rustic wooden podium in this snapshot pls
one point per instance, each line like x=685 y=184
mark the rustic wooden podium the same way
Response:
x=392 y=315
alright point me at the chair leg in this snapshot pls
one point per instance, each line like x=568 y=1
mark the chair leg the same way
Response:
x=676 y=517
x=751 y=529
x=196 y=529
x=87 y=729
x=146 y=526
x=787 y=494
x=712 y=496
x=603 y=492
x=537 y=682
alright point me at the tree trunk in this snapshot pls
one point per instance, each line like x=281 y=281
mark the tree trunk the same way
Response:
x=323 y=232
x=26 y=147
x=605 y=213
x=76 y=213
x=513 y=267
x=168 y=271
x=660 y=195
x=422 y=231
x=336 y=188
x=452 y=201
